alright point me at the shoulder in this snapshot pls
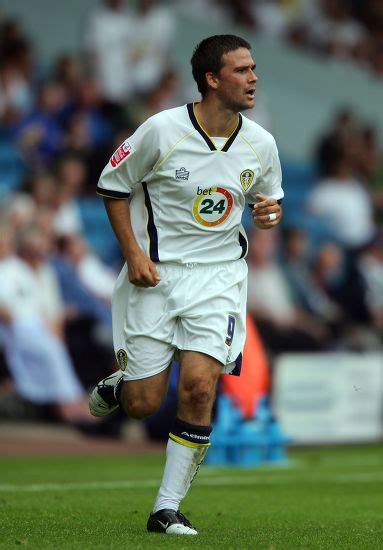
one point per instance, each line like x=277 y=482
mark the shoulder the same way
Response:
x=256 y=133
x=168 y=118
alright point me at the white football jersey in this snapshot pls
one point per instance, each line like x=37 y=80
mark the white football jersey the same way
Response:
x=187 y=192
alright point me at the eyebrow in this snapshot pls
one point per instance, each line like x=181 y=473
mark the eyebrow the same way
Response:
x=252 y=67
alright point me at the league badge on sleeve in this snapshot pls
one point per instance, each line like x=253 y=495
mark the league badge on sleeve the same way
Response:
x=122 y=152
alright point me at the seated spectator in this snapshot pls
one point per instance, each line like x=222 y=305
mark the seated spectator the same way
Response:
x=16 y=73
x=36 y=356
x=334 y=31
x=337 y=277
x=296 y=262
x=39 y=134
x=71 y=173
x=89 y=325
x=343 y=203
x=282 y=325
x=370 y=266
x=93 y=273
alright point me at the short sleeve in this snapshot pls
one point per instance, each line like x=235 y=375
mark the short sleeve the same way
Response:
x=269 y=183
x=130 y=163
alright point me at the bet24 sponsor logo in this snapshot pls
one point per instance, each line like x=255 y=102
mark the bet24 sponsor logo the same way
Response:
x=212 y=206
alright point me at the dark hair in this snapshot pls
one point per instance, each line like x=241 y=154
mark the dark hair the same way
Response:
x=207 y=56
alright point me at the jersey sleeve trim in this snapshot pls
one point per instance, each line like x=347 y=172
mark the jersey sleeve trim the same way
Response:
x=151 y=227
x=251 y=206
x=112 y=194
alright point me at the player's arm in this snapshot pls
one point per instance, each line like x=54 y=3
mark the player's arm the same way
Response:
x=142 y=271
x=127 y=167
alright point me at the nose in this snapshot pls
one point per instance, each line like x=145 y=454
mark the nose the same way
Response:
x=253 y=76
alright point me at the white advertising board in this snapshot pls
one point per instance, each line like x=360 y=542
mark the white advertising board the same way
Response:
x=330 y=397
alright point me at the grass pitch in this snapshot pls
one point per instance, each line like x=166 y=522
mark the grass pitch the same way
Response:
x=322 y=499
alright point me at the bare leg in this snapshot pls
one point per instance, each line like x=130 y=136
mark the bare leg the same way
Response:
x=141 y=398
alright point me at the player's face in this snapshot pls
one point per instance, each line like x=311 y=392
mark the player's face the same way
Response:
x=237 y=81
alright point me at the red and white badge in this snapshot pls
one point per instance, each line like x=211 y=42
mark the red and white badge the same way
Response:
x=122 y=152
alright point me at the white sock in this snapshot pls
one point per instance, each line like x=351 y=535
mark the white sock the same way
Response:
x=182 y=463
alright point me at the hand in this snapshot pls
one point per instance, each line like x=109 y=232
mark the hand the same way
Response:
x=262 y=210
x=142 y=271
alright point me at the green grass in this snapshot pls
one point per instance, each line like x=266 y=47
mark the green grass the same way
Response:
x=326 y=498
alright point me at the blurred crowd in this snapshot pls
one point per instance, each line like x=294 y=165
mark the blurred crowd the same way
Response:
x=348 y=30
x=311 y=288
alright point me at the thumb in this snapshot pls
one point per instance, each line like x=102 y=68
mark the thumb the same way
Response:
x=154 y=272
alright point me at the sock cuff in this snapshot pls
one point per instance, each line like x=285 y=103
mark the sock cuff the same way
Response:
x=190 y=435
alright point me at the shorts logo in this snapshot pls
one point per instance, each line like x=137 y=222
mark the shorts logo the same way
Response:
x=246 y=177
x=182 y=174
x=122 y=359
x=122 y=152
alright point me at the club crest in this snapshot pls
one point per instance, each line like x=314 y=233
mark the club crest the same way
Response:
x=246 y=177
x=122 y=359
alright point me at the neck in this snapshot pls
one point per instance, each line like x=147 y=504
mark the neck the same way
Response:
x=217 y=121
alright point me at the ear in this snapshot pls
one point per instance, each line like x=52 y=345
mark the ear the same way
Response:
x=212 y=80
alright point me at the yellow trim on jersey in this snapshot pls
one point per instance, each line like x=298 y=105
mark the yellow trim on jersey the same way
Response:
x=254 y=151
x=187 y=443
x=160 y=161
x=208 y=135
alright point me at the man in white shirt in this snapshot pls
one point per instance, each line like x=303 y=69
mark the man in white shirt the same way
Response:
x=188 y=173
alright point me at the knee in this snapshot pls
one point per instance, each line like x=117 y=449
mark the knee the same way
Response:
x=197 y=393
x=141 y=407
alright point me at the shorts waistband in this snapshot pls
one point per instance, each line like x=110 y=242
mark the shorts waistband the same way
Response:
x=189 y=266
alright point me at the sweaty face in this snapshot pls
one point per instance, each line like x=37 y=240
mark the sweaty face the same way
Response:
x=236 y=81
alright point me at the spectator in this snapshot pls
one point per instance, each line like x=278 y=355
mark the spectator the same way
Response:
x=89 y=327
x=152 y=37
x=282 y=325
x=109 y=44
x=343 y=203
x=341 y=282
x=296 y=261
x=39 y=134
x=16 y=73
x=92 y=272
x=370 y=266
x=71 y=173
x=36 y=357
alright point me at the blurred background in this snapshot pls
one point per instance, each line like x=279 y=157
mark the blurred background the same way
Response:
x=76 y=79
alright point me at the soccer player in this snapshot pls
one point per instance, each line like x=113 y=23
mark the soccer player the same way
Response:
x=174 y=193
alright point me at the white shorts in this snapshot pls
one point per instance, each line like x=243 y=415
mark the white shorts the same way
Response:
x=194 y=307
